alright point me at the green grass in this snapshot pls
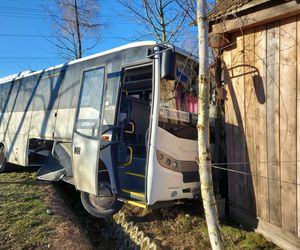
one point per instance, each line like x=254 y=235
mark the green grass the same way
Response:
x=186 y=223
x=235 y=237
x=23 y=217
x=24 y=223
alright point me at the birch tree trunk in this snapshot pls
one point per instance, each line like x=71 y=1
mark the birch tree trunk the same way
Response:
x=204 y=158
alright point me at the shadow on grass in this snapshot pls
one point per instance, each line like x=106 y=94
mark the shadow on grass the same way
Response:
x=186 y=207
x=15 y=174
x=12 y=168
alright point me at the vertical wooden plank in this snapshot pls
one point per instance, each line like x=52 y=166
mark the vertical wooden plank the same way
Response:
x=273 y=122
x=260 y=120
x=288 y=121
x=249 y=74
x=230 y=123
x=298 y=124
x=239 y=111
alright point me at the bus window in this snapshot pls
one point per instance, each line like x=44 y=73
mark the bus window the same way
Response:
x=110 y=101
x=88 y=117
x=178 y=101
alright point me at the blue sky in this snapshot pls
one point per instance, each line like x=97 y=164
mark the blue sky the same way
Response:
x=23 y=23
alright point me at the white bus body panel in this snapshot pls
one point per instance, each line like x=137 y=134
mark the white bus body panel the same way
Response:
x=15 y=146
x=43 y=124
x=179 y=148
x=86 y=172
x=14 y=134
x=165 y=184
x=64 y=125
x=87 y=158
x=19 y=122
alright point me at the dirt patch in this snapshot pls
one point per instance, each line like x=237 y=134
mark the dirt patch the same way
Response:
x=96 y=229
x=68 y=233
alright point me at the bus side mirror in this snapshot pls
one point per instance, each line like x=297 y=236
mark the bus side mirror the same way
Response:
x=168 y=65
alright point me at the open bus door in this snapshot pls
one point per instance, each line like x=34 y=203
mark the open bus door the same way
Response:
x=88 y=126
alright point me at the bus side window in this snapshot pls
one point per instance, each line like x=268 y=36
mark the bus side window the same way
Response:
x=110 y=101
x=90 y=103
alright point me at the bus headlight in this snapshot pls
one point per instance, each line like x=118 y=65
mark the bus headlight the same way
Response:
x=175 y=164
x=168 y=161
x=160 y=156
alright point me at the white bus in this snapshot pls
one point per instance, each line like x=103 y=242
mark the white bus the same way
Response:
x=118 y=125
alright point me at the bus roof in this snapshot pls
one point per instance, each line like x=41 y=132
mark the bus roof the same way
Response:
x=123 y=47
x=30 y=73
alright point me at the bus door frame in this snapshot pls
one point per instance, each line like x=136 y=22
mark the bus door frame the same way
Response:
x=86 y=149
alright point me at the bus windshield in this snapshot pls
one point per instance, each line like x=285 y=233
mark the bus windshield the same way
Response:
x=178 y=100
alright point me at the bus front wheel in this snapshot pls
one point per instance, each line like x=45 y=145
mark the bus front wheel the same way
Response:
x=2 y=159
x=103 y=205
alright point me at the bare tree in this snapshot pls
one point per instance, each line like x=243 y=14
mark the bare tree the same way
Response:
x=189 y=7
x=204 y=158
x=75 y=24
x=162 y=19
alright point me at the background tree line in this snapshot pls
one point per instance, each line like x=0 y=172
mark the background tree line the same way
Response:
x=77 y=26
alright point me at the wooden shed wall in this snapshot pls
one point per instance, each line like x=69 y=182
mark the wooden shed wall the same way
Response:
x=262 y=110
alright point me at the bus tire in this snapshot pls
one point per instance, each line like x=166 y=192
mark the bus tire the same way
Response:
x=2 y=166
x=2 y=158
x=104 y=205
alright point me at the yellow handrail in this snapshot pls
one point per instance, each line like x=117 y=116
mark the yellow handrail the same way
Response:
x=132 y=128
x=130 y=157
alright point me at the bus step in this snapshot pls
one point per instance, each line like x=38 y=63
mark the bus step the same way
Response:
x=133 y=194
x=135 y=174
x=134 y=203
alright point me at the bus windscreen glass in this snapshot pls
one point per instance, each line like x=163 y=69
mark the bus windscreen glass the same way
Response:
x=178 y=100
